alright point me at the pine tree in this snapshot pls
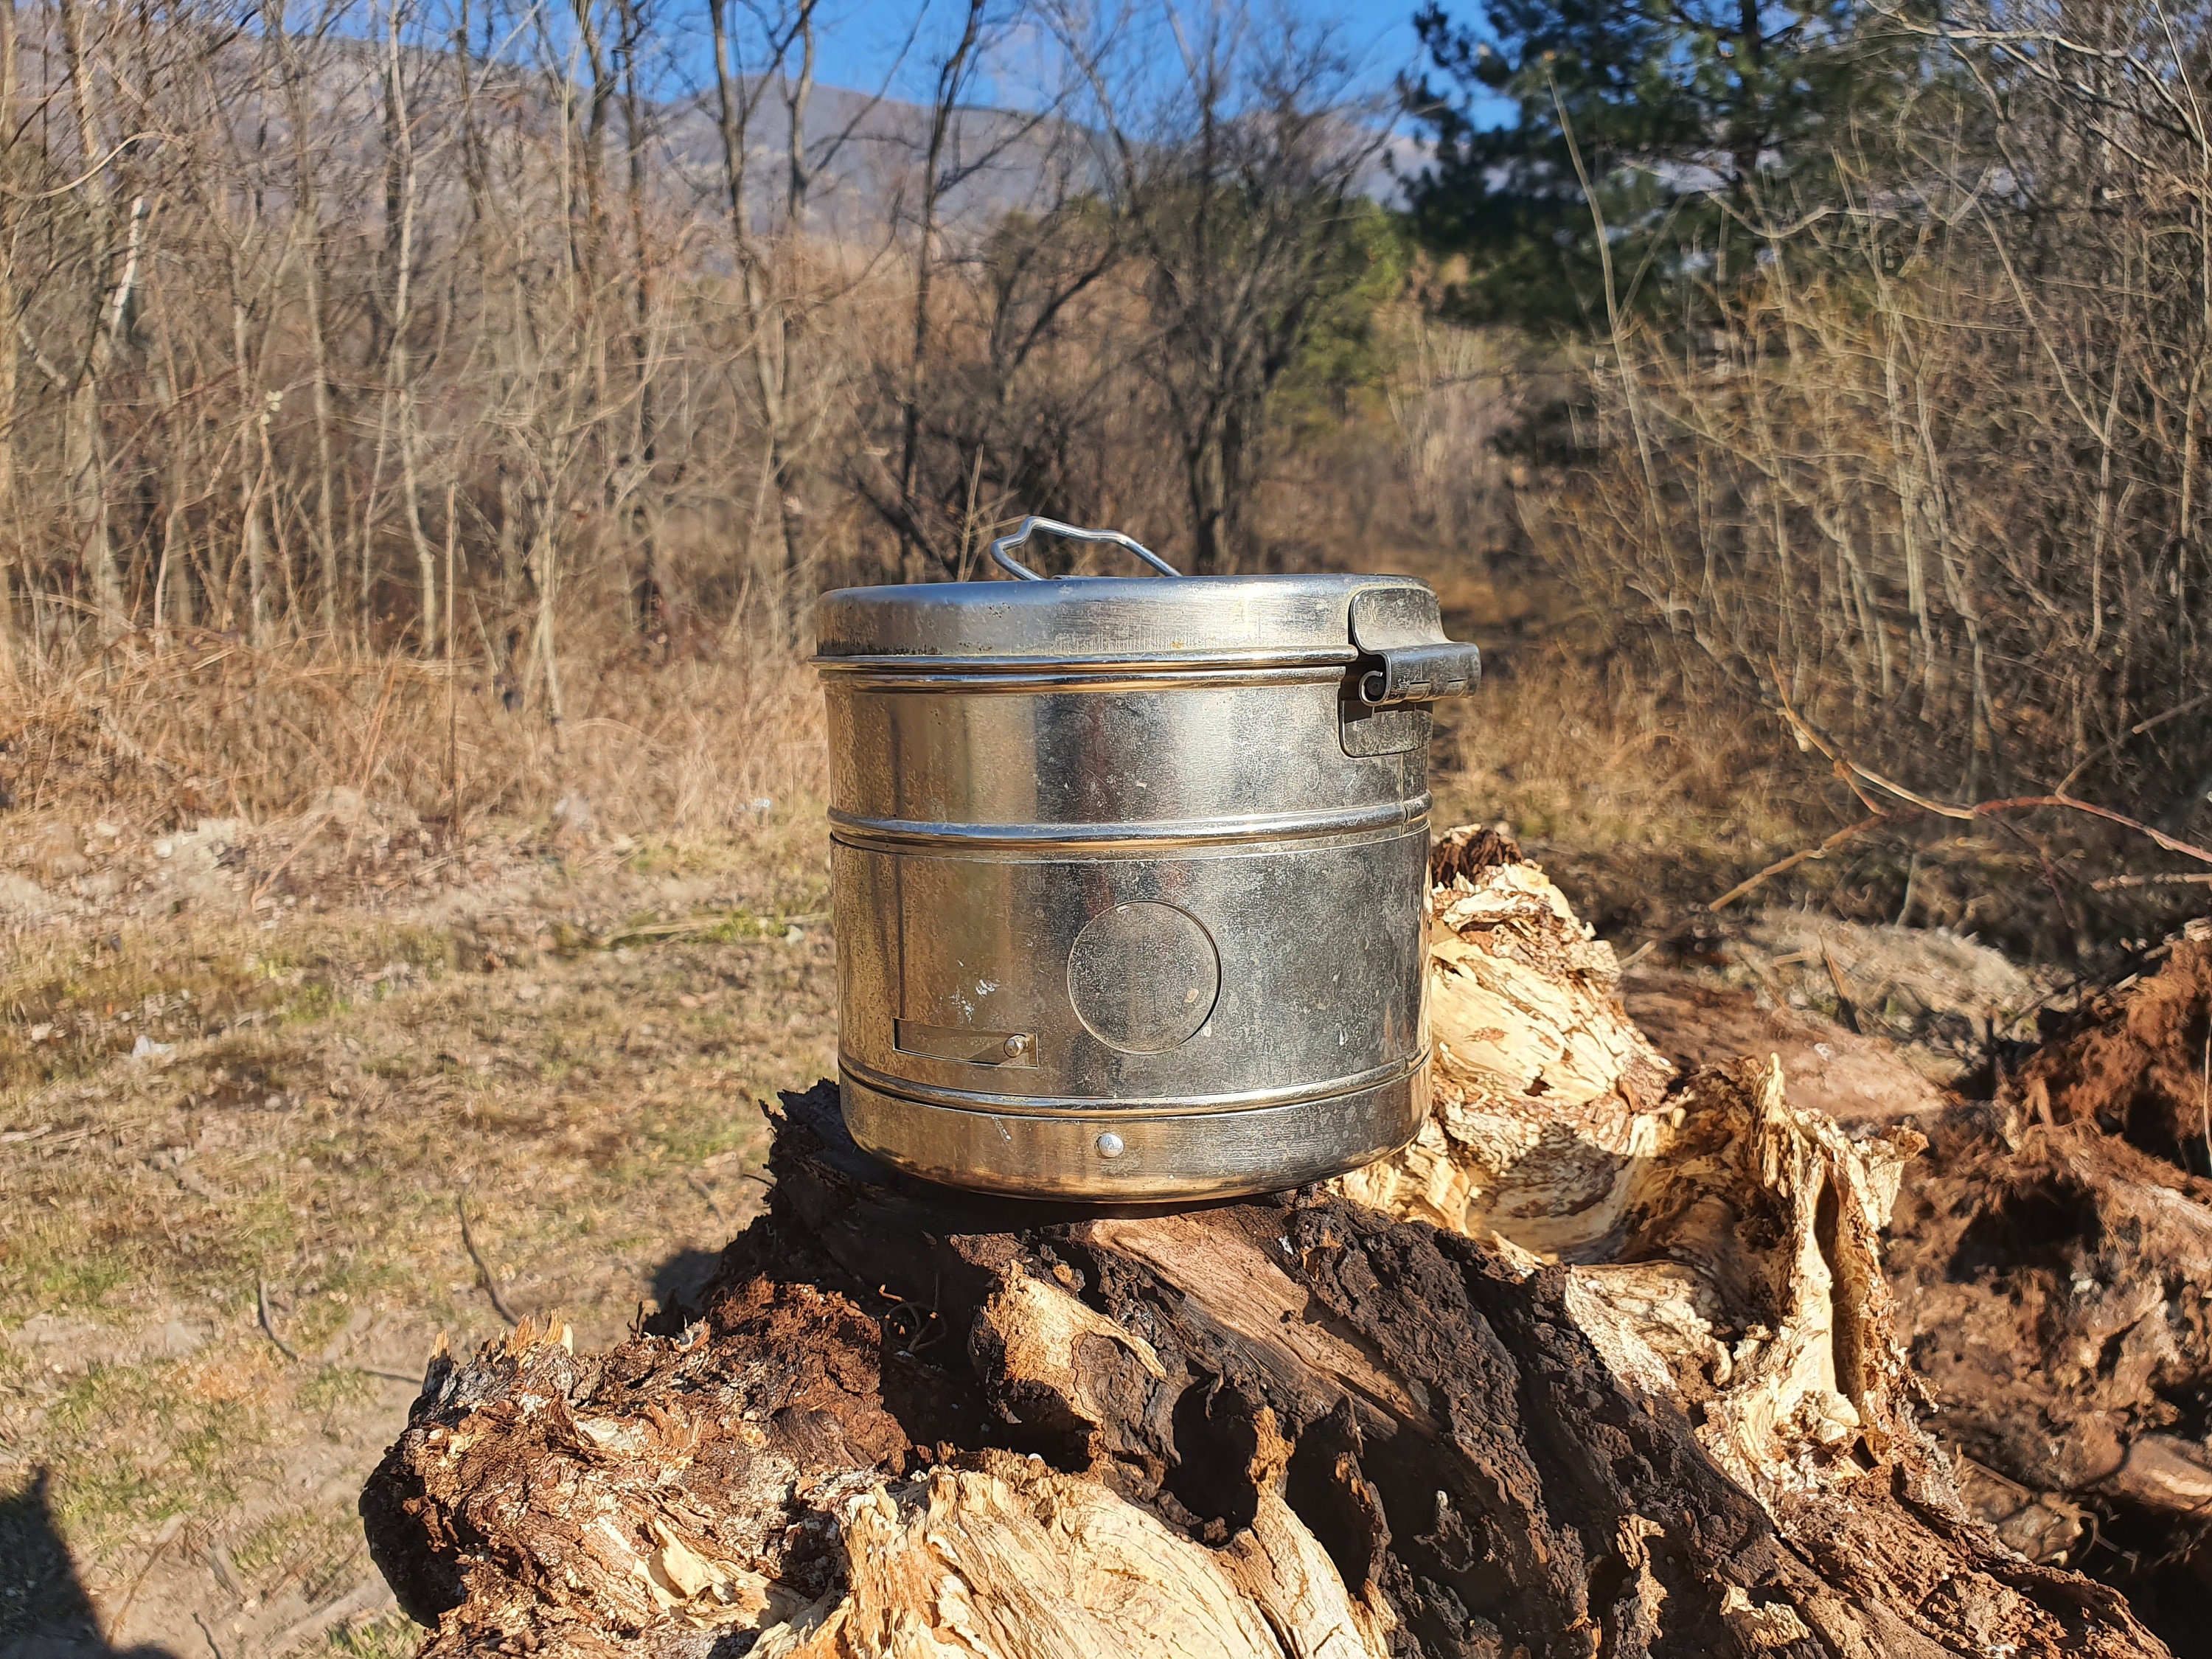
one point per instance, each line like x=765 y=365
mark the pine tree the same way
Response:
x=1683 y=126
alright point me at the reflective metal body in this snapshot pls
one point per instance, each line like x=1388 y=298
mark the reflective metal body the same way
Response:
x=1128 y=876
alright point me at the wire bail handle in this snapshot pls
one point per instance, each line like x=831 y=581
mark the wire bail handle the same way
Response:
x=1001 y=557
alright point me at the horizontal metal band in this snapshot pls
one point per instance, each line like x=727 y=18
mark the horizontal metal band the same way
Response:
x=969 y=1100
x=1134 y=1159
x=906 y=834
x=903 y=664
x=1081 y=679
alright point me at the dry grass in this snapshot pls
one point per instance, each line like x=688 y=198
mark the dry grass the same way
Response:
x=214 y=726
x=1584 y=754
x=1648 y=802
x=1641 y=809
x=338 y=1079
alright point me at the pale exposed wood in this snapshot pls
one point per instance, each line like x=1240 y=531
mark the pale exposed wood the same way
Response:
x=1555 y=1136
x=1015 y=1561
x=2164 y=1471
x=1546 y=1093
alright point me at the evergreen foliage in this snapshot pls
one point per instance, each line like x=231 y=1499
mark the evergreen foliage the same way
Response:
x=1684 y=125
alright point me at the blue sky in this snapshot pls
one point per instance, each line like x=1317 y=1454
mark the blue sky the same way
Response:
x=861 y=39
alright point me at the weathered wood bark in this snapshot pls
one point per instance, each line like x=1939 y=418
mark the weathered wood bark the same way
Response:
x=1640 y=1395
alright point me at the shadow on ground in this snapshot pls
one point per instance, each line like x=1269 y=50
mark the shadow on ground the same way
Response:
x=678 y=1282
x=44 y=1612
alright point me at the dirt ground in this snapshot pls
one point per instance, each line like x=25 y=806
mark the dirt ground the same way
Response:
x=250 y=1084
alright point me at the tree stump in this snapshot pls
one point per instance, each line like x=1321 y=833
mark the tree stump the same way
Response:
x=1604 y=1364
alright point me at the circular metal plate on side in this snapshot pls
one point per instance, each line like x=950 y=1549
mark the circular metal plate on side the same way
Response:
x=1143 y=977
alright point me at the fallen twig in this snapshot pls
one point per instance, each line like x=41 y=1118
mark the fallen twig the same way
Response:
x=485 y=1277
x=413 y=872
x=269 y=1325
x=661 y=933
x=1985 y=809
x=226 y=1569
x=2134 y=731
x=412 y=1379
x=370 y=1592
x=1782 y=866
x=409 y=1378
x=2029 y=803
x=700 y=1187
x=1845 y=1005
x=1754 y=960
x=162 y=1540
x=1854 y=774
x=2174 y=878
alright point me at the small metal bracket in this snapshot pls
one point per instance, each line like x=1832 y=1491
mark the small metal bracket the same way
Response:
x=966 y=1044
x=1366 y=728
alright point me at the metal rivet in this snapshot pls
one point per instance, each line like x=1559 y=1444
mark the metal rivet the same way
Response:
x=1110 y=1144
x=1017 y=1045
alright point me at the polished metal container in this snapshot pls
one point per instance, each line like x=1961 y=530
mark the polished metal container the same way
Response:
x=1128 y=873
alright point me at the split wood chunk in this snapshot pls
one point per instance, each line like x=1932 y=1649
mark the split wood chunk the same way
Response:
x=1546 y=1095
x=1725 y=1246
x=1639 y=1395
x=1013 y=1557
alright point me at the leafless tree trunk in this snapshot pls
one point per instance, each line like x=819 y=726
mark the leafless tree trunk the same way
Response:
x=544 y=571
x=113 y=275
x=649 y=596
x=762 y=278
x=256 y=462
x=591 y=262
x=1243 y=200
x=953 y=72
x=399 y=384
x=11 y=174
x=307 y=206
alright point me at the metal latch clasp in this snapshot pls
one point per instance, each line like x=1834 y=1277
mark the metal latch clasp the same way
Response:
x=1404 y=657
x=1422 y=673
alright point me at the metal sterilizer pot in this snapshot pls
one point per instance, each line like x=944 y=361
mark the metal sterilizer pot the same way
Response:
x=1128 y=873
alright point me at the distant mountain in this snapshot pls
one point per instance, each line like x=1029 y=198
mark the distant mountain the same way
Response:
x=870 y=151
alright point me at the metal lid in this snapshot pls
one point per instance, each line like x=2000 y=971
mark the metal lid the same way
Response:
x=1100 y=619
x=1168 y=619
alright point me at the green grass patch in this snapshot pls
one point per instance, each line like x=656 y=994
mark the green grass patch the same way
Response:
x=71 y=1007
x=150 y=1440
x=390 y=1636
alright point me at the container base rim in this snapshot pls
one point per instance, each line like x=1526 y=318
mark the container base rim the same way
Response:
x=1071 y=1154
